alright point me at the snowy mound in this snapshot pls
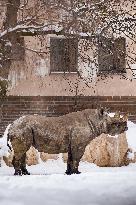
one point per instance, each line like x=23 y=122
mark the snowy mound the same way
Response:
x=3 y=143
x=131 y=135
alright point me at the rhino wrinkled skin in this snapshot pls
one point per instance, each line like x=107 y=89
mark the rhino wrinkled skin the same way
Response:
x=68 y=133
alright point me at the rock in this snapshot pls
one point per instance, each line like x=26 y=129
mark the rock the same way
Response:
x=9 y=158
x=32 y=156
x=45 y=156
x=65 y=157
x=107 y=151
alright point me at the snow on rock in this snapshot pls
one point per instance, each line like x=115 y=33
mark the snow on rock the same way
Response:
x=8 y=43
x=131 y=135
x=19 y=120
x=131 y=139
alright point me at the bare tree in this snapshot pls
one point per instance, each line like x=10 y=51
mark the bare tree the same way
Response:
x=89 y=21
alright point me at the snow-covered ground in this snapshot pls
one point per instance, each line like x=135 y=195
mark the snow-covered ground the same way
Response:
x=48 y=184
x=131 y=135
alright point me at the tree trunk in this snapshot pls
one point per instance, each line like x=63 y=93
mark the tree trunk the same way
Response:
x=8 y=43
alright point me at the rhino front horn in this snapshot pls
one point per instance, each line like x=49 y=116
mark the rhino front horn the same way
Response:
x=125 y=118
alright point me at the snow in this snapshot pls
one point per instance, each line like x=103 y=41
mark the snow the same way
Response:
x=49 y=185
x=3 y=79
x=133 y=68
x=41 y=68
x=24 y=28
x=131 y=135
x=3 y=143
x=8 y=43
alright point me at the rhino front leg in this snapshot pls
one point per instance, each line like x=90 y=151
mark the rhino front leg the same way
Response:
x=74 y=156
x=19 y=164
x=72 y=167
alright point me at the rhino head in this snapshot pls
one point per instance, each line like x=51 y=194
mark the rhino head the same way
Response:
x=115 y=125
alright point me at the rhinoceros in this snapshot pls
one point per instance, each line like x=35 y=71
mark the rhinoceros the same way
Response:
x=70 y=133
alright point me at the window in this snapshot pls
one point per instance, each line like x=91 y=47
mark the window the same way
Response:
x=63 y=55
x=18 y=50
x=112 y=55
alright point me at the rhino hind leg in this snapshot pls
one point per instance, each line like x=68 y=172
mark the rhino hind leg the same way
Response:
x=16 y=165
x=19 y=161
x=19 y=165
x=23 y=165
x=21 y=145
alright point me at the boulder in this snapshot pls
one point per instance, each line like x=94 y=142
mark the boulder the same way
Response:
x=32 y=156
x=8 y=160
x=107 y=151
x=45 y=156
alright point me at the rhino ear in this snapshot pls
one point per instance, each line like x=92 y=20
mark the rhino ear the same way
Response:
x=101 y=111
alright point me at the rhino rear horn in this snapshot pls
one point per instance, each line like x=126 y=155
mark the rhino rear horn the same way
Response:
x=117 y=115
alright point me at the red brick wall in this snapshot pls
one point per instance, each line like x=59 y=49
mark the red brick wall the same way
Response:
x=15 y=106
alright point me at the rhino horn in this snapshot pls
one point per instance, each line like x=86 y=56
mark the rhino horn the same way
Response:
x=125 y=118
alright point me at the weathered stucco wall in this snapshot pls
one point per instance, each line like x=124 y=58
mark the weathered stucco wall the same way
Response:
x=31 y=75
x=71 y=85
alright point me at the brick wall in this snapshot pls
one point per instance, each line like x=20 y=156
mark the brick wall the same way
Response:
x=15 y=106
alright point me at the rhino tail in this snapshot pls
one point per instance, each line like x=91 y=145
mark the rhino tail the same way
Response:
x=8 y=142
x=33 y=139
x=7 y=137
